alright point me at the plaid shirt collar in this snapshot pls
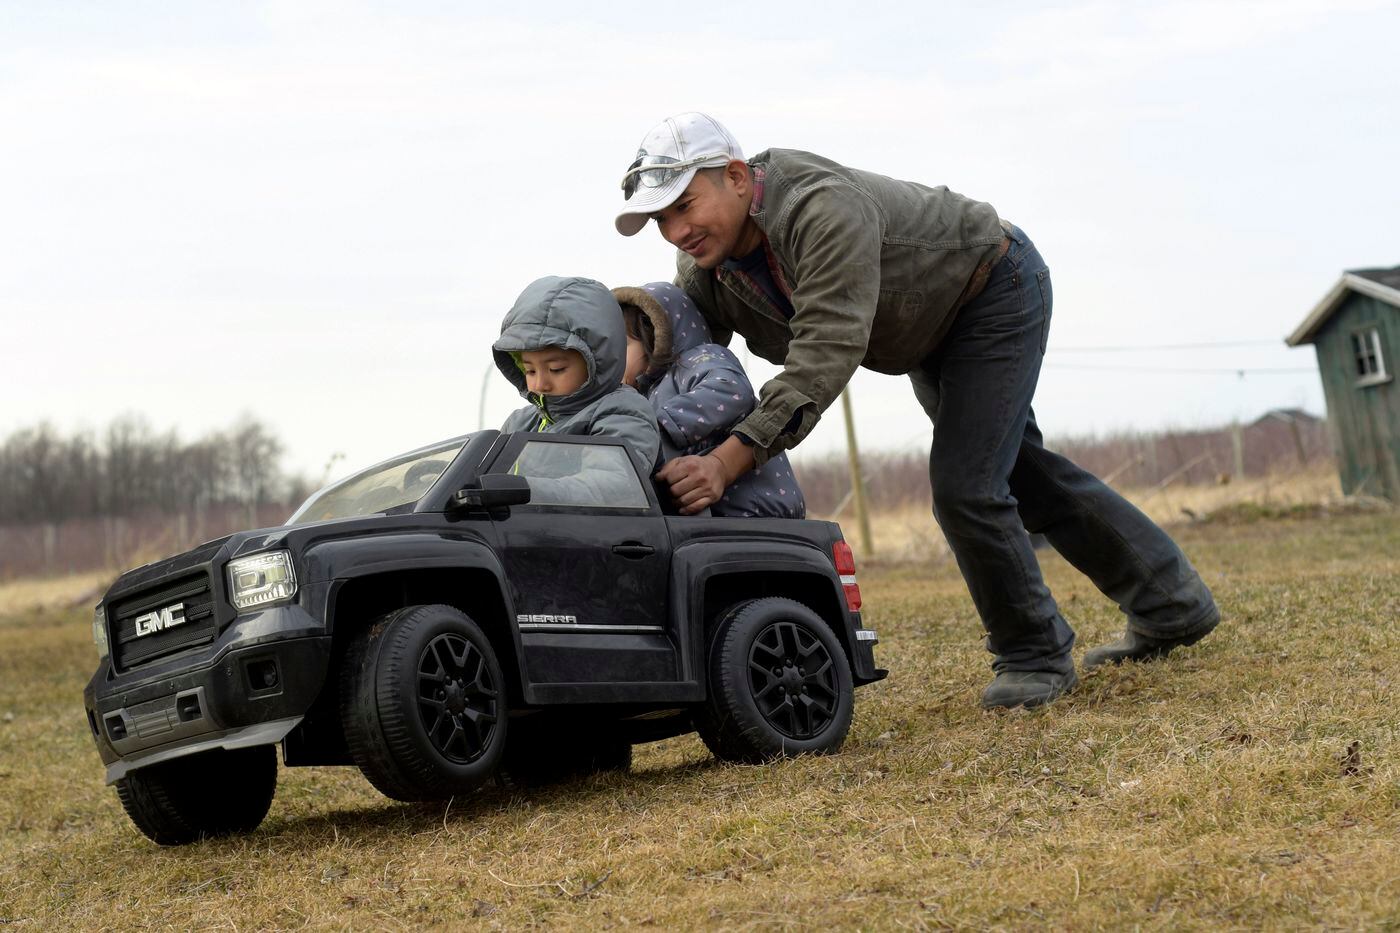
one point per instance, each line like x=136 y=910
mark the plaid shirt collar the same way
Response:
x=756 y=205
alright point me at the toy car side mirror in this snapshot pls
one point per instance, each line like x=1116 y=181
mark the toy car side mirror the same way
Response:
x=493 y=490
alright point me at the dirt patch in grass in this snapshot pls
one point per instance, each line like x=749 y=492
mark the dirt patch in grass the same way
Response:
x=1251 y=781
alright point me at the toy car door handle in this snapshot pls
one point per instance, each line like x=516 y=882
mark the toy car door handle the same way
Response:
x=633 y=550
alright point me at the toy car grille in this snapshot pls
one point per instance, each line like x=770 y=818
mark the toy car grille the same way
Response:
x=161 y=621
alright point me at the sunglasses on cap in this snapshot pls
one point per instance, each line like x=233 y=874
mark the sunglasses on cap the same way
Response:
x=652 y=171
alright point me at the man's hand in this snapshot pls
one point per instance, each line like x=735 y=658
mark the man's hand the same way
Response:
x=698 y=482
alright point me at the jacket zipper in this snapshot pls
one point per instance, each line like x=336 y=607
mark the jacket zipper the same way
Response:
x=545 y=420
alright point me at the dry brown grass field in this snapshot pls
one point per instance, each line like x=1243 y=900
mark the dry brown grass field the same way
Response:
x=1251 y=781
x=907 y=533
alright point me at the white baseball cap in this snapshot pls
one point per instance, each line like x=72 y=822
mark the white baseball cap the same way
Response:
x=670 y=155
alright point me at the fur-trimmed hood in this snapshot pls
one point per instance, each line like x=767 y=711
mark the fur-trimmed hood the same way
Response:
x=674 y=318
x=644 y=301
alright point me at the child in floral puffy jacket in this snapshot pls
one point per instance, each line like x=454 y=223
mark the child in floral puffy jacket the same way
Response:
x=699 y=391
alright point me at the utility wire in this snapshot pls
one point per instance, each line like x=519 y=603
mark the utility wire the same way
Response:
x=1240 y=371
x=1169 y=346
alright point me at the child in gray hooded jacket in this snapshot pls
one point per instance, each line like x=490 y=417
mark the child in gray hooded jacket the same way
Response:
x=699 y=390
x=563 y=346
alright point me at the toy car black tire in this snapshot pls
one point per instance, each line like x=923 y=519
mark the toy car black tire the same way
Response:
x=423 y=704
x=779 y=684
x=214 y=793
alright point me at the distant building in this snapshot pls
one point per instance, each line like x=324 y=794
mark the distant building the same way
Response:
x=1284 y=415
x=1268 y=439
x=1356 y=331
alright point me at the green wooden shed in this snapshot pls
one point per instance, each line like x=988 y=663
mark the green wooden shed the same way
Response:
x=1356 y=331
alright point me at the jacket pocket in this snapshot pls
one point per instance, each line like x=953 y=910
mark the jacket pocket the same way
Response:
x=900 y=325
x=899 y=304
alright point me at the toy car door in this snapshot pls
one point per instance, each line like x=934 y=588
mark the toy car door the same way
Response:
x=587 y=561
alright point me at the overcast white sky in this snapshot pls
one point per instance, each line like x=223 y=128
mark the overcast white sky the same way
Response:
x=317 y=212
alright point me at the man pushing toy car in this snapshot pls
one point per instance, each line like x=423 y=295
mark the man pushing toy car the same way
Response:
x=823 y=268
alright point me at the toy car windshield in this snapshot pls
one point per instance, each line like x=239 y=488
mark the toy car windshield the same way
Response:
x=393 y=483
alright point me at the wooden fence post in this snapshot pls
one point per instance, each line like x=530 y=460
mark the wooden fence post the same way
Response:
x=1298 y=441
x=867 y=543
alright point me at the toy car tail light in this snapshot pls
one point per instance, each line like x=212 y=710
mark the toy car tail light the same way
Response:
x=846 y=568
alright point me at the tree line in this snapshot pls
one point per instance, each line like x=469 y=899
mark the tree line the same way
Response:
x=128 y=468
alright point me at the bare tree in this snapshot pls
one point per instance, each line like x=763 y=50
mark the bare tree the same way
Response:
x=254 y=454
x=132 y=470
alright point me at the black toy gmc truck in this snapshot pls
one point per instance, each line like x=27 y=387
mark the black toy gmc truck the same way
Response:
x=516 y=606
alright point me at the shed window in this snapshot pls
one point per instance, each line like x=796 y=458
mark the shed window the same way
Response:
x=1366 y=348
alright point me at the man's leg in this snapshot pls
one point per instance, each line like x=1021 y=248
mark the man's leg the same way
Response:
x=977 y=390
x=1130 y=559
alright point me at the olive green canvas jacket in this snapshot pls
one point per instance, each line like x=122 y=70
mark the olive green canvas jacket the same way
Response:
x=875 y=269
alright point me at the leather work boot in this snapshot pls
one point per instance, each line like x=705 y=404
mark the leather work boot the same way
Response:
x=1011 y=689
x=1134 y=646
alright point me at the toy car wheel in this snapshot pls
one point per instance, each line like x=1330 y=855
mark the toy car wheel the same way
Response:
x=779 y=684
x=214 y=793
x=423 y=704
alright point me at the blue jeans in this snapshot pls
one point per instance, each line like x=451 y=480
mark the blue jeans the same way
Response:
x=994 y=481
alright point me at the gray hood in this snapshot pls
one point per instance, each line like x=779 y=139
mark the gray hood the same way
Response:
x=574 y=313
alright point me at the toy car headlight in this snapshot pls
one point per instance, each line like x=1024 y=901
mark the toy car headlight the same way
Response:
x=261 y=579
x=99 y=631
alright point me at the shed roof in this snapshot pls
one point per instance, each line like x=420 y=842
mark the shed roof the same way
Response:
x=1389 y=277
x=1383 y=284
x=1285 y=415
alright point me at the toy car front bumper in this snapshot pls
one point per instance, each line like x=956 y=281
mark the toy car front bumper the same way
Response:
x=250 y=687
